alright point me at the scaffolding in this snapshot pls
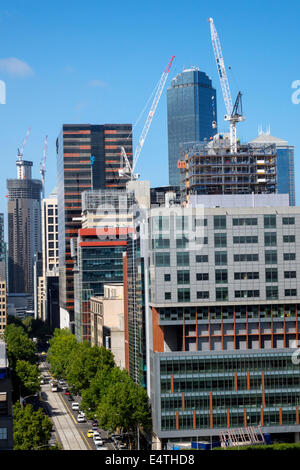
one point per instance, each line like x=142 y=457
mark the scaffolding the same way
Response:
x=239 y=437
x=210 y=168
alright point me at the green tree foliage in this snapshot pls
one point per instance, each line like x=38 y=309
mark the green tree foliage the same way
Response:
x=61 y=346
x=125 y=406
x=19 y=346
x=84 y=363
x=36 y=328
x=32 y=429
x=29 y=377
x=104 y=378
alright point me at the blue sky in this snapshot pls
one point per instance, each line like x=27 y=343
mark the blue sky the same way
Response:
x=98 y=62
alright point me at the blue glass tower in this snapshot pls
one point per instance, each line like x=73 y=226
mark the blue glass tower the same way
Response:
x=285 y=164
x=192 y=114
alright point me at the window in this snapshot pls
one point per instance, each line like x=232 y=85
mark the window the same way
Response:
x=270 y=221
x=51 y=245
x=246 y=293
x=246 y=239
x=160 y=243
x=243 y=221
x=220 y=240
x=288 y=221
x=183 y=277
x=167 y=295
x=167 y=277
x=183 y=258
x=271 y=275
x=245 y=276
x=289 y=274
x=182 y=222
x=200 y=222
x=272 y=292
x=289 y=238
x=183 y=295
x=219 y=222
x=202 y=276
x=3 y=433
x=162 y=259
x=50 y=211
x=245 y=257
x=50 y=220
x=221 y=293
x=270 y=239
x=182 y=242
x=201 y=258
x=160 y=224
x=50 y=228
x=290 y=292
x=203 y=294
x=271 y=257
x=221 y=276
x=220 y=258
x=289 y=256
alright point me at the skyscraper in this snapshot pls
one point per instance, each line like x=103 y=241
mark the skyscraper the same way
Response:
x=88 y=157
x=285 y=163
x=192 y=114
x=24 y=228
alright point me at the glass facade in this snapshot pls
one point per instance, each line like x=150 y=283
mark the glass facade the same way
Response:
x=191 y=103
x=235 y=390
x=88 y=157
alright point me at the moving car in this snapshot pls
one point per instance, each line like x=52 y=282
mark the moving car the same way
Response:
x=98 y=447
x=67 y=392
x=98 y=441
x=75 y=406
x=90 y=433
x=81 y=419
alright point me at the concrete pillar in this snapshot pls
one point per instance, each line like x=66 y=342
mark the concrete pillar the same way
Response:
x=297 y=437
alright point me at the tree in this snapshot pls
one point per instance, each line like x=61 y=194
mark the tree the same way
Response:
x=104 y=378
x=125 y=406
x=84 y=363
x=29 y=377
x=62 y=344
x=19 y=346
x=32 y=429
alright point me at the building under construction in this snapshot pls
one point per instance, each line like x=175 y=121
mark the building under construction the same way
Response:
x=211 y=168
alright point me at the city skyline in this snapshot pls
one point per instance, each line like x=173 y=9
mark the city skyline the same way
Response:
x=53 y=82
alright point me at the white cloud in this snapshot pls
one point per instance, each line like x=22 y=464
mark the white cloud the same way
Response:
x=97 y=83
x=15 y=67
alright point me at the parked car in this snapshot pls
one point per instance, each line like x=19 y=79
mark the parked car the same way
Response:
x=98 y=447
x=81 y=419
x=70 y=398
x=67 y=392
x=94 y=427
x=75 y=406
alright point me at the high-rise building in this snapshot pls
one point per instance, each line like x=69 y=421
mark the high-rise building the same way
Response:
x=88 y=157
x=221 y=320
x=98 y=250
x=48 y=301
x=3 y=266
x=285 y=163
x=24 y=228
x=192 y=114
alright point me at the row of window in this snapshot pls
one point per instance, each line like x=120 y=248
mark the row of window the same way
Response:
x=183 y=258
x=183 y=294
x=220 y=239
x=162 y=223
x=221 y=276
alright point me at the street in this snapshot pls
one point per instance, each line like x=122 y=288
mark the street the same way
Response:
x=67 y=431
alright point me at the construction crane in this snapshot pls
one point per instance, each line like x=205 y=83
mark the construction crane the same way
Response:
x=21 y=151
x=43 y=165
x=234 y=113
x=126 y=169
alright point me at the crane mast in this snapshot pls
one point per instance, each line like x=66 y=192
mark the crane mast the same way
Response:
x=234 y=113
x=128 y=170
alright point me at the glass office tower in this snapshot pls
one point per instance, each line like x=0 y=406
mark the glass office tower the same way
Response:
x=285 y=164
x=192 y=114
